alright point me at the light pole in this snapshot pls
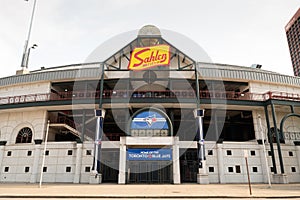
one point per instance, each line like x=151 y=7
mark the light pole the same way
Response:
x=27 y=56
x=25 y=52
x=260 y=129
x=44 y=153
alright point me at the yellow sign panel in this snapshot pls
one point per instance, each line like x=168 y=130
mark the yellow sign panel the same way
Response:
x=146 y=57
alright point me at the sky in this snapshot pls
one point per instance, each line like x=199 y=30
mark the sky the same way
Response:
x=237 y=32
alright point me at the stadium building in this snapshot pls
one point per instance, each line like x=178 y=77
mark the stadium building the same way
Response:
x=149 y=109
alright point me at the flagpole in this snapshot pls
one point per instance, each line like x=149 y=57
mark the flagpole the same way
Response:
x=44 y=154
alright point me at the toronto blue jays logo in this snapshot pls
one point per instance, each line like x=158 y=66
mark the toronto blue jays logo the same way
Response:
x=149 y=119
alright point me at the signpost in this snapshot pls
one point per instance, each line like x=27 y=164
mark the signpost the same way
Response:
x=247 y=167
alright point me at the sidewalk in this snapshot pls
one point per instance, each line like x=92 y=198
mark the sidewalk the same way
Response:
x=149 y=191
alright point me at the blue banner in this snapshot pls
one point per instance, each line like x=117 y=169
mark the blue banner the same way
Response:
x=149 y=154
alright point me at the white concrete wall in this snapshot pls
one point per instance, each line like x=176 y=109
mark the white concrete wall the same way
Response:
x=23 y=89
x=12 y=122
x=56 y=163
x=262 y=87
x=58 y=159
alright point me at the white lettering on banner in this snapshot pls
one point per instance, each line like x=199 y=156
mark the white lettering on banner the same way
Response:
x=140 y=154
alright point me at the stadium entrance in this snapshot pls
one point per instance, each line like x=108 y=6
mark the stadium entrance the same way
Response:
x=150 y=153
x=149 y=172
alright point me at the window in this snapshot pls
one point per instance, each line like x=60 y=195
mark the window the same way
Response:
x=238 y=169
x=29 y=153
x=210 y=152
x=24 y=135
x=293 y=169
x=27 y=169
x=68 y=169
x=70 y=152
x=6 y=169
x=252 y=153
x=47 y=153
x=87 y=169
x=211 y=169
x=271 y=169
x=291 y=153
x=228 y=152
x=88 y=152
x=8 y=153
x=44 y=169
x=254 y=169
x=269 y=153
x=230 y=169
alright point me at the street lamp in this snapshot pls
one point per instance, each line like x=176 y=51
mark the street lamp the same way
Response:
x=25 y=52
x=28 y=52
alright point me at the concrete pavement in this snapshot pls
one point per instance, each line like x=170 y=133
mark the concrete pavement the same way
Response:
x=149 y=191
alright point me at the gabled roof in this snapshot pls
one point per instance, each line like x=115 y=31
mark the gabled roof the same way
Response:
x=120 y=46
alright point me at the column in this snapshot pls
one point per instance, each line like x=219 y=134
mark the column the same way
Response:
x=36 y=161
x=220 y=163
x=83 y=125
x=270 y=139
x=2 y=149
x=277 y=139
x=202 y=176
x=263 y=153
x=264 y=167
x=176 y=164
x=122 y=162
x=96 y=176
x=78 y=163
x=278 y=178
x=297 y=154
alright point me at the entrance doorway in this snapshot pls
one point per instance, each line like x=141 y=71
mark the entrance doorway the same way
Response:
x=189 y=166
x=110 y=165
x=149 y=172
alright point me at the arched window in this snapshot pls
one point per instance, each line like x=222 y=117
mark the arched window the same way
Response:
x=24 y=135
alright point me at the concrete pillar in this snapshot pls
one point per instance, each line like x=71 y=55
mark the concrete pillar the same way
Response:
x=122 y=162
x=263 y=164
x=202 y=176
x=220 y=163
x=2 y=149
x=297 y=154
x=96 y=176
x=36 y=161
x=176 y=164
x=78 y=163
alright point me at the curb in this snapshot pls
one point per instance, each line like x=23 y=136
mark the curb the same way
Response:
x=147 y=197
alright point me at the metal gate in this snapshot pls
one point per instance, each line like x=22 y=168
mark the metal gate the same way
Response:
x=189 y=166
x=149 y=172
x=110 y=165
